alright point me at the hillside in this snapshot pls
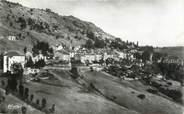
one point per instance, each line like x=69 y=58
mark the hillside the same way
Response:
x=173 y=51
x=30 y=25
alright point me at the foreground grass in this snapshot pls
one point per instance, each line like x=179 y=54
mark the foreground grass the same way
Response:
x=126 y=96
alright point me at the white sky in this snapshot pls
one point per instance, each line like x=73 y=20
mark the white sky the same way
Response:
x=151 y=22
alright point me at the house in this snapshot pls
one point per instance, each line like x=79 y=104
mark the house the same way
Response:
x=57 y=47
x=98 y=57
x=62 y=55
x=28 y=71
x=39 y=57
x=77 y=48
x=88 y=57
x=12 y=57
x=12 y=38
x=77 y=57
x=107 y=55
x=121 y=54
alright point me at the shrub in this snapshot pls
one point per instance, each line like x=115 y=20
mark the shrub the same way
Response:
x=48 y=10
x=38 y=102
x=169 y=83
x=74 y=72
x=21 y=90
x=141 y=96
x=44 y=102
x=91 y=69
x=31 y=97
x=153 y=91
x=26 y=94
x=15 y=111
x=3 y=83
x=24 y=110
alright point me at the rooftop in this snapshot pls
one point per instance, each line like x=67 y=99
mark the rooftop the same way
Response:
x=13 y=53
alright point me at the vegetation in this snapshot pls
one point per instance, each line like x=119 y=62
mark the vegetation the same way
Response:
x=40 y=63
x=89 y=44
x=118 y=44
x=141 y=96
x=74 y=72
x=172 y=71
x=44 y=103
x=43 y=48
x=29 y=63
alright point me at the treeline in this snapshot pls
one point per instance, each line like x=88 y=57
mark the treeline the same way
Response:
x=43 y=48
x=172 y=71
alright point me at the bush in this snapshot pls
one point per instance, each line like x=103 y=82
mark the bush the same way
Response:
x=91 y=69
x=74 y=72
x=24 y=110
x=26 y=94
x=31 y=97
x=3 y=83
x=153 y=91
x=38 y=102
x=141 y=96
x=21 y=90
x=44 y=103
x=15 y=111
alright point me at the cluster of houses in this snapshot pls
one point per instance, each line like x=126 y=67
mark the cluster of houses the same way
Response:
x=61 y=53
x=175 y=60
x=90 y=55
x=13 y=56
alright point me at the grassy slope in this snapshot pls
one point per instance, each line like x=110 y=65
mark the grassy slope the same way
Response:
x=127 y=96
x=12 y=100
x=174 y=51
x=72 y=99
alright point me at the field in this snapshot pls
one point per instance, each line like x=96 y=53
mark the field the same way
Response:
x=11 y=103
x=126 y=96
x=173 y=51
x=97 y=93
x=71 y=98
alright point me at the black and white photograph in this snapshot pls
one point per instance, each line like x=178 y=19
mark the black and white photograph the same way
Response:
x=91 y=56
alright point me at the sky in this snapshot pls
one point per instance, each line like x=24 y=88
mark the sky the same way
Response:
x=150 y=22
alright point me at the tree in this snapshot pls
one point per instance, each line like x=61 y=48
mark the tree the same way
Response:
x=21 y=90
x=31 y=97
x=17 y=69
x=38 y=102
x=44 y=103
x=40 y=63
x=146 y=56
x=91 y=69
x=43 y=48
x=90 y=35
x=1 y=61
x=99 y=43
x=22 y=22
x=89 y=44
x=137 y=55
x=26 y=93
x=48 y=10
x=118 y=44
x=25 y=50
x=29 y=63
x=12 y=84
x=24 y=110
x=156 y=56
x=74 y=72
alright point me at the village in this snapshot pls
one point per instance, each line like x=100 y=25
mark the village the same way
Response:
x=80 y=58
x=41 y=65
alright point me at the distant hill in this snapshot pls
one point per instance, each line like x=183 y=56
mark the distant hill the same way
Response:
x=30 y=25
x=173 y=51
